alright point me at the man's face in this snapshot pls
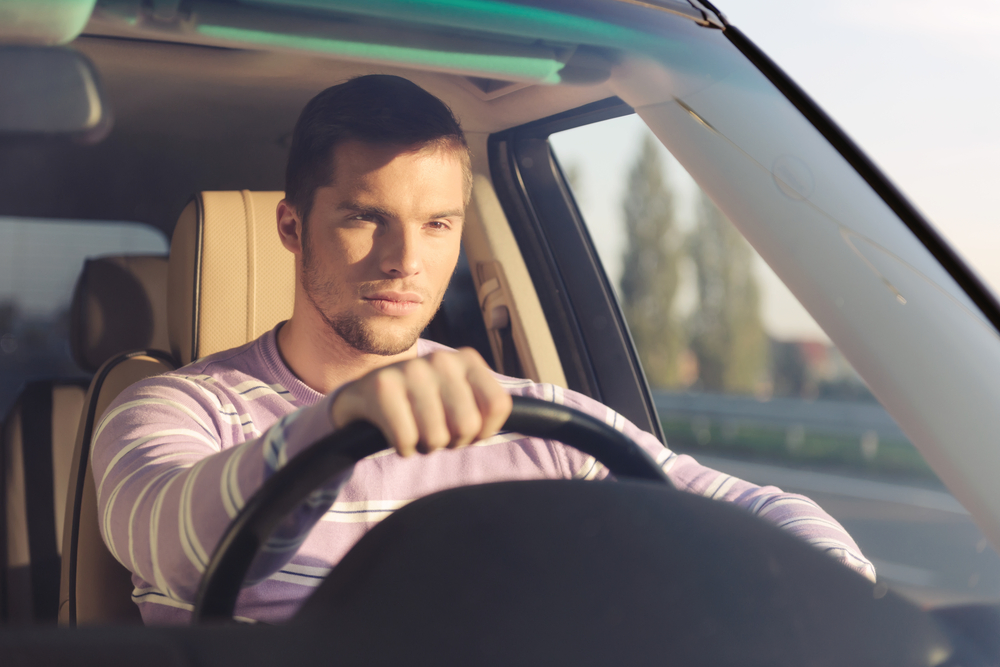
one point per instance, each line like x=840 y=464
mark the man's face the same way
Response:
x=381 y=243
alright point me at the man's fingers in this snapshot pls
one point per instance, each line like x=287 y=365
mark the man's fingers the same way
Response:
x=423 y=387
x=447 y=399
x=493 y=401
x=461 y=409
x=380 y=399
x=392 y=412
x=462 y=412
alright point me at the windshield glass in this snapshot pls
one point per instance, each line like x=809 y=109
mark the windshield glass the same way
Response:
x=925 y=350
x=745 y=380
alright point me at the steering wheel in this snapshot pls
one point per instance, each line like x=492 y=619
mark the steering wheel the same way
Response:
x=606 y=574
x=339 y=451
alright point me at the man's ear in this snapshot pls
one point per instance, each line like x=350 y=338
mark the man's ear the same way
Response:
x=289 y=227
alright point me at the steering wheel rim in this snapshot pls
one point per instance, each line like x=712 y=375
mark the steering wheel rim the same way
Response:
x=335 y=453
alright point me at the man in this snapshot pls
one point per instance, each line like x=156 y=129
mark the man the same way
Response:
x=377 y=183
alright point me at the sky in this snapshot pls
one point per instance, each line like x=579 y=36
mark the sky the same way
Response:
x=915 y=83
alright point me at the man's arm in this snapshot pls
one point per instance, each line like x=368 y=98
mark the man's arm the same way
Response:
x=172 y=469
x=171 y=476
x=797 y=514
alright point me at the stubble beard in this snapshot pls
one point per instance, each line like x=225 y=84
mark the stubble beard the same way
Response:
x=354 y=330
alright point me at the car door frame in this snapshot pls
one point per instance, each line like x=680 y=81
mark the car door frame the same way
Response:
x=595 y=347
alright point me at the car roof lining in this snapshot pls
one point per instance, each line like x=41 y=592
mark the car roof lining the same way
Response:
x=268 y=78
x=191 y=118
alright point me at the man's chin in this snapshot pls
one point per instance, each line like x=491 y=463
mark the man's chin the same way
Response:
x=379 y=338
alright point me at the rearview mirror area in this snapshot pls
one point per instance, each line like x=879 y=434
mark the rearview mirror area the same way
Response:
x=51 y=92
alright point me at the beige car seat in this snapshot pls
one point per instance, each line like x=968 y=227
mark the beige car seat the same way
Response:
x=229 y=281
x=119 y=304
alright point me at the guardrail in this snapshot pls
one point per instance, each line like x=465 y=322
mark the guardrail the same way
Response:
x=840 y=417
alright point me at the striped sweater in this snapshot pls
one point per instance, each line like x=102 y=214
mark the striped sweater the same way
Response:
x=176 y=456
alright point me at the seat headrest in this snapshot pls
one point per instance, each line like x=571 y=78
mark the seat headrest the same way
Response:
x=230 y=278
x=119 y=305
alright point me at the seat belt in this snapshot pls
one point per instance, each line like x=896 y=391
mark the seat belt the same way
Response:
x=36 y=429
x=494 y=302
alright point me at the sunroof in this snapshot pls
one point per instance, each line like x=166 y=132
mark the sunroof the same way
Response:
x=486 y=39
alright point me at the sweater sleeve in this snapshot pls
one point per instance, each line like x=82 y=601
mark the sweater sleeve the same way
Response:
x=795 y=513
x=170 y=480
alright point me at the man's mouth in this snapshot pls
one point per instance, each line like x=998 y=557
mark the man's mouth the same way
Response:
x=395 y=303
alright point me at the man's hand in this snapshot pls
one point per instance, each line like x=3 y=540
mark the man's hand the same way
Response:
x=445 y=399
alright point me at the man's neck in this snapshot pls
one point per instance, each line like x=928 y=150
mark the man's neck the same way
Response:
x=322 y=359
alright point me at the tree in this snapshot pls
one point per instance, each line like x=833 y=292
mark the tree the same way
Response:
x=649 y=278
x=727 y=335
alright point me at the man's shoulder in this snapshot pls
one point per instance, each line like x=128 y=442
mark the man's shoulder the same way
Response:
x=242 y=360
x=230 y=396
x=218 y=368
x=231 y=371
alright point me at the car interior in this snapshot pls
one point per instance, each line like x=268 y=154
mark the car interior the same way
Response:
x=157 y=104
x=198 y=99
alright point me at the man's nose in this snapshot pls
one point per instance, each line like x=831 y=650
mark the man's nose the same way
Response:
x=400 y=256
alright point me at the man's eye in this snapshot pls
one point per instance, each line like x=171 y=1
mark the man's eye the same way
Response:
x=438 y=224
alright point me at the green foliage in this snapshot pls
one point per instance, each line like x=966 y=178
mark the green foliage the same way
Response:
x=725 y=332
x=650 y=276
x=727 y=335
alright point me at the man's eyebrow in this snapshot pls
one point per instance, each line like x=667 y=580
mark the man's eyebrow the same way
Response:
x=457 y=213
x=362 y=208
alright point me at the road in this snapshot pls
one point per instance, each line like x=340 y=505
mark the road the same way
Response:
x=922 y=541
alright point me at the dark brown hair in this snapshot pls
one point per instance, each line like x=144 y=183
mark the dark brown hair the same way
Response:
x=377 y=109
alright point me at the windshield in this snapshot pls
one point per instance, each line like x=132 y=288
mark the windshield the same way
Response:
x=923 y=347
x=745 y=380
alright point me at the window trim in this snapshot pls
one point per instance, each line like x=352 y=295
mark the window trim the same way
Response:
x=576 y=295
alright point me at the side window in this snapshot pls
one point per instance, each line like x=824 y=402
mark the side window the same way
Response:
x=39 y=264
x=746 y=381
